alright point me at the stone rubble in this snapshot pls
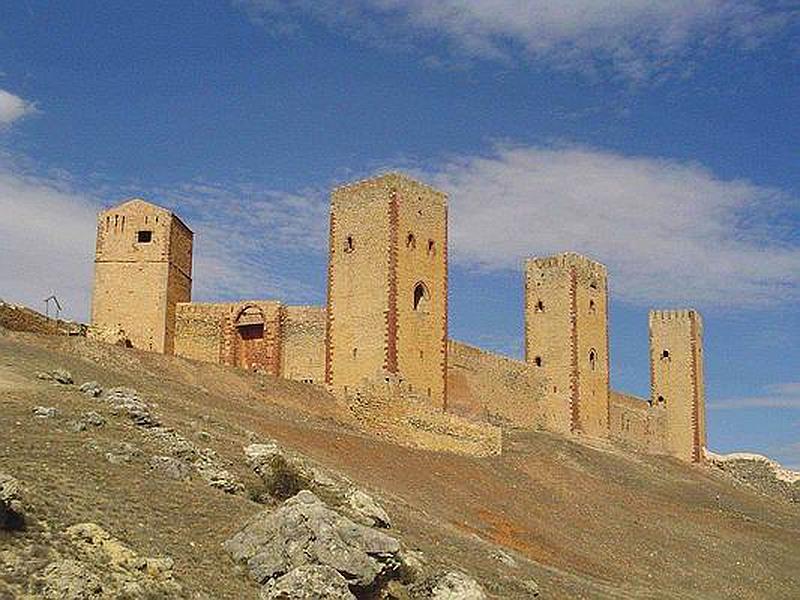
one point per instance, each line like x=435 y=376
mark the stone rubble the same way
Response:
x=44 y=412
x=91 y=389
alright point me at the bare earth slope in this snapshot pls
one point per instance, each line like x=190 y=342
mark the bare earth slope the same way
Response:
x=584 y=522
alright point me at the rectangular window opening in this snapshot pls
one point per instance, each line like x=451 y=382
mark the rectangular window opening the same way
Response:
x=144 y=236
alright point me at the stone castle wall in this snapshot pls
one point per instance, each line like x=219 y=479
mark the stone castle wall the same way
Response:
x=304 y=343
x=637 y=424
x=495 y=388
x=143 y=262
x=566 y=339
x=244 y=334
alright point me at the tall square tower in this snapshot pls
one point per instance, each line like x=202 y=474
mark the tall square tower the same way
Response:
x=677 y=381
x=387 y=285
x=143 y=268
x=566 y=339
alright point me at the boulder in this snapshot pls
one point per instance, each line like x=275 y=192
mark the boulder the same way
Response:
x=286 y=473
x=303 y=531
x=122 y=453
x=11 y=510
x=70 y=580
x=44 y=412
x=91 y=389
x=455 y=585
x=366 y=509
x=62 y=376
x=309 y=582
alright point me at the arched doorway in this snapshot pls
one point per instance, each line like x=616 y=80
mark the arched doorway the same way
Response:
x=248 y=343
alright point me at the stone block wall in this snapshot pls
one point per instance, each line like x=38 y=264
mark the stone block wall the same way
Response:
x=245 y=334
x=303 y=343
x=637 y=424
x=496 y=388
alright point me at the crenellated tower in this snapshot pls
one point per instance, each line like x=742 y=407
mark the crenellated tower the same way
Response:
x=676 y=379
x=566 y=339
x=143 y=269
x=387 y=285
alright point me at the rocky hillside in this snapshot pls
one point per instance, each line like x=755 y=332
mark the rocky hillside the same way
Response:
x=133 y=475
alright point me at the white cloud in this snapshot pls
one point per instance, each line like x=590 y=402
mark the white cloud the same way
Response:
x=46 y=239
x=670 y=232
x=13 y=108
x=779 y=395
x=637 y=37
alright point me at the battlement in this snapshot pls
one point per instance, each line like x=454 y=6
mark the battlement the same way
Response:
x=564 y=260
x=675 y=315
x=388 y=181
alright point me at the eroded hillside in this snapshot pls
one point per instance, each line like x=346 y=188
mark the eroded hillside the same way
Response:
x=582 y=522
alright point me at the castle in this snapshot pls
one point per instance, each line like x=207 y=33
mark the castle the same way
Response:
x=386 y=322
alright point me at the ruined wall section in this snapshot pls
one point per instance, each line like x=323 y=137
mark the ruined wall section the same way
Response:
x=676 y=366
x=358 y=344
x=506 y=392
x=566 y=339
x=142 y=269
x=303 y=351
x=421 y=287
x=637 y=424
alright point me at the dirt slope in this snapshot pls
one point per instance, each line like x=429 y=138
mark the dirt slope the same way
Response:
x=584 y=522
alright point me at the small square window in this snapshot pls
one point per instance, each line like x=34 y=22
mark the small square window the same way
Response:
x=144 y=237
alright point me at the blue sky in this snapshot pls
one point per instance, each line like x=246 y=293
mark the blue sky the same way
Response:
x=660 y=138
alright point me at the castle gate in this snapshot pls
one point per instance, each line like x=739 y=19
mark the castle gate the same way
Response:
x=249 y=349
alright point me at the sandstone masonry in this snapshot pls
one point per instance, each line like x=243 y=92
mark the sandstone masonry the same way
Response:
x=381 y=342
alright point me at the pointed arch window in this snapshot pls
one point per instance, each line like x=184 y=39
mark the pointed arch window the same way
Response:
x=421 y=297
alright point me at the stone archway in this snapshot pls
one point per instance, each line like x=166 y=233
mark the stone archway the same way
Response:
x=249 y=351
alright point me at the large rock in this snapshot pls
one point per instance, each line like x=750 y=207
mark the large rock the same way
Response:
x=303 y=531
x=70 y=580
x=309 y=582
x=91 y=389
x=286 y=473
x=455 y=585
x=11 y=510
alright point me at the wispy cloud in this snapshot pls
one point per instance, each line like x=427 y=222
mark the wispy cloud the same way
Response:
x=13 y=108
x=636 y=38
x=781 y=395
x=670 y=232
x=46 y=238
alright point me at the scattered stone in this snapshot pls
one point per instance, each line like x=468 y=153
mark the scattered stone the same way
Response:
x=122 y=453
x=531 y=587
x=62 y=376
x=91 y=389
x=455 y=585
x=44 y=376
x=70 y=580
x=93 y=419
x=171 y=467
x=44 y=412
x=126 y=401
x=309 y=582
x=303 y=531
x=12 y=514
x=505 y=558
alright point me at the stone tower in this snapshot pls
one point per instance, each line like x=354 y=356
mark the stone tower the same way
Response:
x=387 y=286
x=566 y=339
x=676 y=379
x=143 y=268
